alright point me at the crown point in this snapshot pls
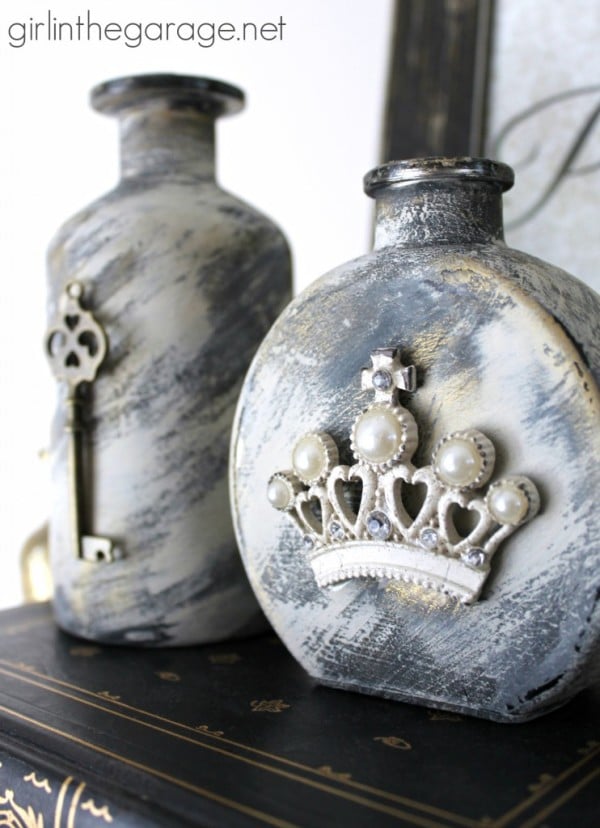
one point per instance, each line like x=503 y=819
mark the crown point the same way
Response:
x=464 y=460
x=278 y=494
x=512 y=501
x=378 y=435
x=313 y=457
x=282 y=489
x=458 y=463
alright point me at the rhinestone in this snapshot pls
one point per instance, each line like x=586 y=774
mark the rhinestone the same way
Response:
x=379 y=526
x=382 y=380
x=429 y=537
x=336 y=530
x=474 y=557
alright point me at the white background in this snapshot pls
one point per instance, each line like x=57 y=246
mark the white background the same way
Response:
x=298 y=152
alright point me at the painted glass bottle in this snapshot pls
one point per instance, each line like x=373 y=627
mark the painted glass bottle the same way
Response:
x=159 y=294
x=423 y=426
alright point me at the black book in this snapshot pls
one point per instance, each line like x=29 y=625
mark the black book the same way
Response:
x=237 y=734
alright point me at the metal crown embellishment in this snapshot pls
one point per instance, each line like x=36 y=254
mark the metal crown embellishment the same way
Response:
x=373 y=535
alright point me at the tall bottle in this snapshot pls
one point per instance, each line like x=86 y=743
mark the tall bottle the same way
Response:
x=423 y=424
x=182 y=281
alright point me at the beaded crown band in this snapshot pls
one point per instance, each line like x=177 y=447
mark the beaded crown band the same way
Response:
x=373 y=535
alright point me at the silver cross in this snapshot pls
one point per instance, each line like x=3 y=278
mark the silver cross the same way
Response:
x=387 y=375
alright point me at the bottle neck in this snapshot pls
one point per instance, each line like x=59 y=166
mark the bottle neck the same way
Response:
x=455 y=211
x=160 y=142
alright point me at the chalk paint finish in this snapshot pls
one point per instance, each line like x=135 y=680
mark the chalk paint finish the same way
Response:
x=502 y=343
x=185 y=280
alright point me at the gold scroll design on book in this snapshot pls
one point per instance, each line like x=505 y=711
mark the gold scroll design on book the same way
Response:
x=18 y=816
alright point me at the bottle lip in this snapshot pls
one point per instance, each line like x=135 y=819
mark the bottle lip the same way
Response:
x=209 y=95
x=438 y=168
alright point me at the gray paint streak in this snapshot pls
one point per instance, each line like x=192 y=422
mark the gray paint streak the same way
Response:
x=502 y=343
x=186 y=280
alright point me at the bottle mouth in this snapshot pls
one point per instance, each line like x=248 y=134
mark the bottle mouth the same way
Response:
x=398 y=173
x=207 y=95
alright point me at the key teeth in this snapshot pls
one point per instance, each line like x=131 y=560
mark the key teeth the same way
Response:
x=99 y=550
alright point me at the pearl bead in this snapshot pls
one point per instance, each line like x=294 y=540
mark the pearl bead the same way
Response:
x=378 y=435
x=508 y=504
x=309 y=458
x=278 y=493
x=458 y=462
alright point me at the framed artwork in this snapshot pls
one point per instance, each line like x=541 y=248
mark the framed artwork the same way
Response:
x=517 y=81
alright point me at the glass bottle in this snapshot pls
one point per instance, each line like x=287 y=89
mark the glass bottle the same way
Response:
x=475 y=356
x=184 y=279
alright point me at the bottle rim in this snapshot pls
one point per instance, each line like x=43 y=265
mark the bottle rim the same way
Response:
x=437 y=168
x=209 y=95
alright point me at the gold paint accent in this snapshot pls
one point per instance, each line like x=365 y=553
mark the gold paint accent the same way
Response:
x=44 y=784
x=246 y=809
x=61 y=801
x=509 y=816
x=433 y=810
x=74 y=804
x=591 y=750
x=327 y=770
x=106 y=695
x=24 y=626
x=205 y=729
x=268 y=706
x=224 y=658
x=412 y=819
x=18 y=816
x=394 y=741
x=588 y=747
x=21 y=665
x=165 y=675
x=560 y=801
x=544 y=780
x=424 y=599
x=442 y=716
x=84 y=652
x=101 y=813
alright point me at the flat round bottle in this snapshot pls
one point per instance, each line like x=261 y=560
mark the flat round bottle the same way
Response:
x=184 y=279
x=442 y=547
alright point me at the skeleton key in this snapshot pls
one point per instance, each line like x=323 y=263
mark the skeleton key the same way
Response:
x=76 y=346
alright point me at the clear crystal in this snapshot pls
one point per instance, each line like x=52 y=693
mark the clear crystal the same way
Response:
x=474 y=556
x=307 y=542
x=382 y=380
x=379 y=526
x=336 y=530
x=429 y=537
